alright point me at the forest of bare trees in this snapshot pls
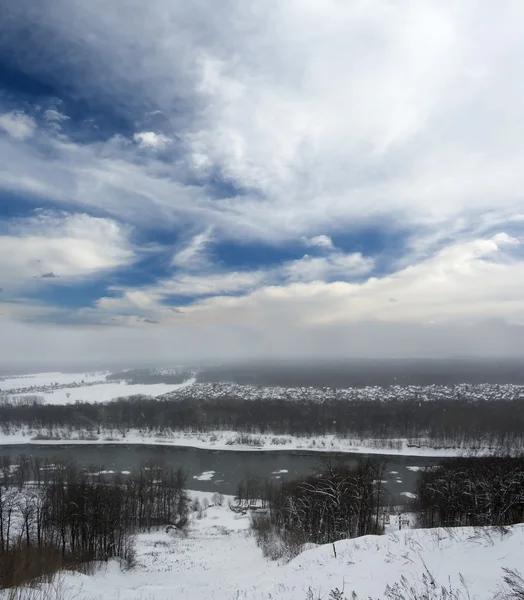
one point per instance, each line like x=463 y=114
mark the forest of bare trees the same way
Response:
x=343 y=502
x=339 y=502
x=54 y=514
x=456 y=422
x=472 y=492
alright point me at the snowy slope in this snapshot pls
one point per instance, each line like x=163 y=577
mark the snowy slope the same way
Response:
x=220 y=560
x=366 y=565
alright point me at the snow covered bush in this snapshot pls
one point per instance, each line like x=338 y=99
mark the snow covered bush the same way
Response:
x=275 y=544
x=217 y=499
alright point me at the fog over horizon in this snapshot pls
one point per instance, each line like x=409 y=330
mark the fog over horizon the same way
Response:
x=274 y=180
x=306 y=371
x=33 y=348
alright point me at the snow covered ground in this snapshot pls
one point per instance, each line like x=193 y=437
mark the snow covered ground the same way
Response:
x=108 y=391
x=49 y=379
x=220 y=560
x=68 y=388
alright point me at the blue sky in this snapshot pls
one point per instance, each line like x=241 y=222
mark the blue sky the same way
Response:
x=292 y=178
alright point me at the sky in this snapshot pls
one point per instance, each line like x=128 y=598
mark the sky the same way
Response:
x=182 y=180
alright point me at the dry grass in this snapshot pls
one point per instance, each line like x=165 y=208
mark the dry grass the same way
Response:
x=54 y=589
x=513 y=586
x=23 y=566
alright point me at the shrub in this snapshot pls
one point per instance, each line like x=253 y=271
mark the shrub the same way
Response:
x=217 y=499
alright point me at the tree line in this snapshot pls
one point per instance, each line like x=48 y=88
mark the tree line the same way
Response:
x=472 y=492
x=54 y=514
x=148 y=376
x=499 y=424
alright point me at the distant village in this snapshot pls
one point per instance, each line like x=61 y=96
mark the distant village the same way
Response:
x=463 y=392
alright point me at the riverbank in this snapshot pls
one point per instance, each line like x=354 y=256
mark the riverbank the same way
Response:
x=235 y=441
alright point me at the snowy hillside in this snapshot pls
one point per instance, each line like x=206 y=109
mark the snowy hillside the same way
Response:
x=219 y=560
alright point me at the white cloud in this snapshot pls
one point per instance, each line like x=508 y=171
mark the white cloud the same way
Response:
x=54 y=115
x=193 y=254
x=320 y=241
x=150 y=139
x=101 y=176
x=322 y=268
x=17 y=124
x=59 y=245
x=211 y=283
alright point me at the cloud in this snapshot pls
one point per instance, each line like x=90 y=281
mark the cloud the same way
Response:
x=150 y=299
x=240 y=284
x=450 y=286
x=335 y=266
x=193 y=254
x=17 y=124
x=334 y=115
x=376 y=118
x=51 y=245
x=53 y=115
x=150 y=139
x=442 y=308
x=320 y=241
x=54 y=119
x=105 y=176
x=147 y=320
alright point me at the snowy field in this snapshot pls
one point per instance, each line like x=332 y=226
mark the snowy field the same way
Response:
x=49 y=379
x=220 y=560
x=68 y=388
x=108 y=391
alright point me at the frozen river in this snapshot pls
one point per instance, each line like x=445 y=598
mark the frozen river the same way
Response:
x=221 y=470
